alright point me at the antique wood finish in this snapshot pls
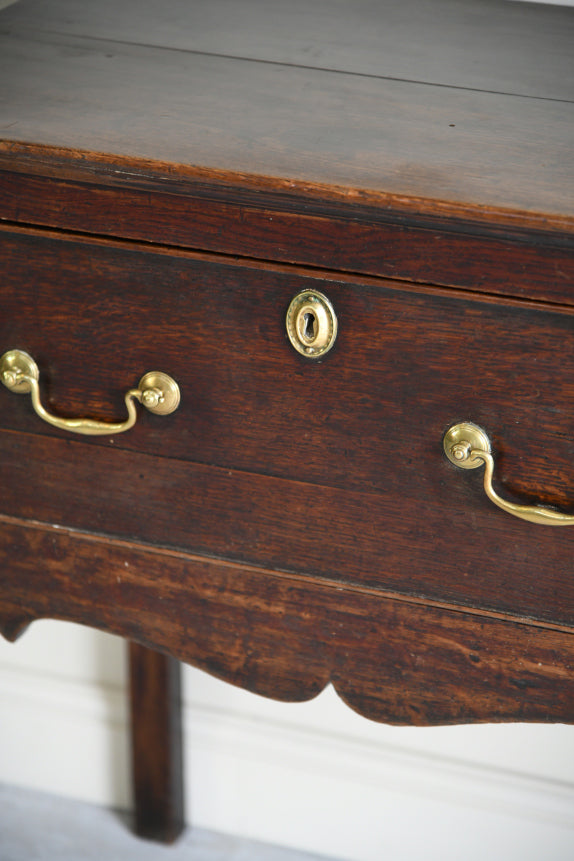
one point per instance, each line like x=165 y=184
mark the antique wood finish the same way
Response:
x=355 y=130
x=513 y=49
x=168 y=183
x=249 y=468
x=397 y=660
x=441 y=130
x=512 y=255
x=156 y=735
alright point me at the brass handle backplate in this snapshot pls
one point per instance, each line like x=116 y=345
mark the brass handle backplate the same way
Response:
x=468 y=446
x=158 y=392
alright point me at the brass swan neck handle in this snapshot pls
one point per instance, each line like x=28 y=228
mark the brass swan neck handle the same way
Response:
x=158 y=392
x=468 y=447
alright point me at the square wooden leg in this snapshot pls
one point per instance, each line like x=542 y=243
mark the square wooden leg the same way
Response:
x=156 y=742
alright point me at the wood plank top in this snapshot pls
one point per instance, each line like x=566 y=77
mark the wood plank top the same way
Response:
x=496 y=45
x=473 y=108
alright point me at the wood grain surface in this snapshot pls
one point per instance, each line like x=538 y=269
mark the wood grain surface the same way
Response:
x=495 y=46
x=273 y=460
x=391 y=660
x=384 y=135
x=296 y=225
x=169 y=180
x=156 y=744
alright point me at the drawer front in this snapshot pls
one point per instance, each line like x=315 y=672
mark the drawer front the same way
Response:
x=328 y=470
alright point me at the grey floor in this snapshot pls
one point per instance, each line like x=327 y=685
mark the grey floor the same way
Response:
x=39 y=827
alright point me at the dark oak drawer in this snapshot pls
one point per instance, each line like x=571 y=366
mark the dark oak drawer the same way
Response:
x=331 y=470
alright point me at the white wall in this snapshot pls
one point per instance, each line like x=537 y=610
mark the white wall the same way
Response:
x=313 y=775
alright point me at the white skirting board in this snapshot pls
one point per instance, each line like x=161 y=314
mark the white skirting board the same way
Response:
x=313 y=776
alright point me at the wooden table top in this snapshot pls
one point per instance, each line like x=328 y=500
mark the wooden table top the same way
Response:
x=448 y=105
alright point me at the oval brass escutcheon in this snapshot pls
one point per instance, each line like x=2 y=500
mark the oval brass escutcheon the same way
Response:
x=311 y=324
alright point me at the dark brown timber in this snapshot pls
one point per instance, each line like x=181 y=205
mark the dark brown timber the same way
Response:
x=394 y=660
x=156 y=735
x=171 y=176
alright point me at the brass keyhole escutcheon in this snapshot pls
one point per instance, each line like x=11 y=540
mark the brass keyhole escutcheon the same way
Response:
x=311 y=324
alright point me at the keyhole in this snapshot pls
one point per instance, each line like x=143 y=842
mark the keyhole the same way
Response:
x=309 y=321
